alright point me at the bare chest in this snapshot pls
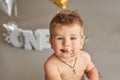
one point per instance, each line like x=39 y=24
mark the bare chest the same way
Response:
x=76 y=73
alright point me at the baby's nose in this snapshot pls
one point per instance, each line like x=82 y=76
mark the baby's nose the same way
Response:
x=67 y=42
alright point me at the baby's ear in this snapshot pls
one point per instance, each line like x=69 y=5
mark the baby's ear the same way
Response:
x=50 y=41
x=82 y=43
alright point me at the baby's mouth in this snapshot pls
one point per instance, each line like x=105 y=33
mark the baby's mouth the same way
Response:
x=66 y=50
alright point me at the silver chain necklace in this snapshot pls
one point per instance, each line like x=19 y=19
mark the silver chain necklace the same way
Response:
x=72 y=67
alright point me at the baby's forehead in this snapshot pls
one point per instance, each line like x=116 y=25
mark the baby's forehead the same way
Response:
x=66 y=27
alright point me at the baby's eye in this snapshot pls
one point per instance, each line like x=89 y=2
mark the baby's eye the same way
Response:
x=73 y=38
x=60 y=38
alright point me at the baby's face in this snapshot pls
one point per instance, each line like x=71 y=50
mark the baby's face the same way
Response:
x=66 y=41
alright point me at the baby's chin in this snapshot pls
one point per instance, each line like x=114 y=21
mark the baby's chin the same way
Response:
x=68 y=56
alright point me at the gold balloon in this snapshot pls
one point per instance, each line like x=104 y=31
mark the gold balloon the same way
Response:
x=60 y=3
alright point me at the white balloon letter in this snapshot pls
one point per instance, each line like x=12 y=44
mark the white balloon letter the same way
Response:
x=15 y=38
x=32 y=40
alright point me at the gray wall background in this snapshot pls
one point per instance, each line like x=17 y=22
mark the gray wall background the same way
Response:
x=102 y=28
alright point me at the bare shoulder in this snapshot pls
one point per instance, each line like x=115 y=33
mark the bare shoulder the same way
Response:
x=50 y=62
x=51 y=69
x=90 y=65
x=85 y=55
x=50 y=58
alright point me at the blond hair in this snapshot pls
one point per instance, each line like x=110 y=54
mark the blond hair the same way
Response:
x=66 y=17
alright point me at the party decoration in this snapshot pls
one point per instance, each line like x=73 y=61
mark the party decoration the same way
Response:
x=7 y=6
x=60 y=3
x=11 y=26
x=26 y=38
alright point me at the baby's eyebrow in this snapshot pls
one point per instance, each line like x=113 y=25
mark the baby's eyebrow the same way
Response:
x=57 y=35
x=73 y=35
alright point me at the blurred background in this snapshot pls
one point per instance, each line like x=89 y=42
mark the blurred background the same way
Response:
x=102 y=28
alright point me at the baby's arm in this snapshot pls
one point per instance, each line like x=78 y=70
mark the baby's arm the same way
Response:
x=92 y=74
x=91 y=70
x=51 y=72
